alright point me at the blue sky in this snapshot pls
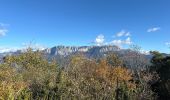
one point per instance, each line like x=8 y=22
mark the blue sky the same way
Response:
x=85 y=22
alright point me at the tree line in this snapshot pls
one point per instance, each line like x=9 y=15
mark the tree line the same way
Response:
x=30 y=76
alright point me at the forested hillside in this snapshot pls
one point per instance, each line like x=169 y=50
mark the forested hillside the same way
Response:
x=30 y=76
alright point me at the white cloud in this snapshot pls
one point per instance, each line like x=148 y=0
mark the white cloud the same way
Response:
x=3 y=32
x=127 y=34
x=122 y=42
x=120 y=39
x=117 y=42
x=5 y=49
x=99 y=40
x=3 y=29
x=154 y=29
x=145 y=52
x=122 y=33
x=22 y=48
x=167 y=43
x=128 y=41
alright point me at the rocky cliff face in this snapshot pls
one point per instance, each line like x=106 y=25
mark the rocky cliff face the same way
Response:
x=63 y=53
x=67 y=50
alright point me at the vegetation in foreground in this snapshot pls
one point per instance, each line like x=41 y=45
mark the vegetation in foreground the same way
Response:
x=29 y=76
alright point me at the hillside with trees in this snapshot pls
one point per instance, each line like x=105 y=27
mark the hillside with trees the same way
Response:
x=30 y=76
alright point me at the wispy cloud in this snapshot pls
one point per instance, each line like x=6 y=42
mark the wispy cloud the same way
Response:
x=3 y=29
x=23 y=48
x=7 y=49
x=154 y=29
x=99 y=40
x=3 y=32
x=122 y=33
x=128 y=41
x=119 y=42
x=121 y=38
x=167 y=43
x=4 y=25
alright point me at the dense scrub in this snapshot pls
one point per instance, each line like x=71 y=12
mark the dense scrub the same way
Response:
x=29 y=76
x=161 y=65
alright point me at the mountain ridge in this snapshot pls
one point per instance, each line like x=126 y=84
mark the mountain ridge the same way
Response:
x=66 y=50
